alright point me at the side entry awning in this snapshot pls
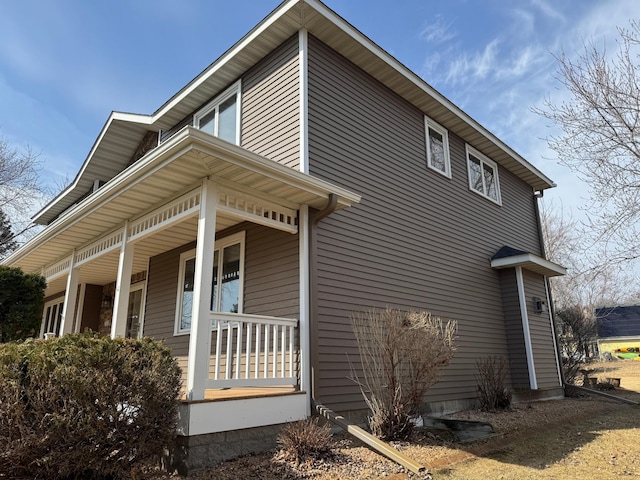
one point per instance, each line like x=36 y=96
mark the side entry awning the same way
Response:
x=508 y=257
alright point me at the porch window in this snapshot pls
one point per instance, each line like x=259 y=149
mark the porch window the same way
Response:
x=52 y=317
x=221 y=116
x=228 y=280
x=437 y=147
x=483 y=175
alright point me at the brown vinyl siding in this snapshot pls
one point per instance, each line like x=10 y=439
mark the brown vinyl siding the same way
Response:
x=270 y=124
x=270 y=283
x=541 y=334
x=513 y=324
x=271 y=106
x=416 y=240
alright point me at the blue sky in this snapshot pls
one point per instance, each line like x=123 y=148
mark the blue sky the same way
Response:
x=65 y=65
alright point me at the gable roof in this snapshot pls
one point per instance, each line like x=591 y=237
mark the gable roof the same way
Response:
x=123 y=132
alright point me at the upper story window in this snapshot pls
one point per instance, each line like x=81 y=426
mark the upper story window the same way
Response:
x=221 y=117
x=228 y=280
x=483 y=175
x=437 y=147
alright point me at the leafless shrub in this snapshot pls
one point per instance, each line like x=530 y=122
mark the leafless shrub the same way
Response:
x=492 y=390
x=304 y=440
x=401 y=354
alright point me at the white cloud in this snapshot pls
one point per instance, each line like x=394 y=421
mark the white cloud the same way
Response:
x=438 y=31
x=548 y=10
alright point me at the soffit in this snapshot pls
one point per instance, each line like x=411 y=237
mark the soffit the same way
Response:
x=177 y=166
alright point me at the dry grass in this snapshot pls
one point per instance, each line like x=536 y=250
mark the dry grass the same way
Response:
x=566 y=439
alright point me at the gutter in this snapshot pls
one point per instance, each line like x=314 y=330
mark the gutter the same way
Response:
x=375 y=443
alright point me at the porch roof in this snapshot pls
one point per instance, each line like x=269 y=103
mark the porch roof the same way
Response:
x=509 y=257
x=166 y=172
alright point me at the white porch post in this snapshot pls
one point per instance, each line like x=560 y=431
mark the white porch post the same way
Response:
x=200 y=334
x=70 y=298
x=305 y=331
x=123 y=285
x=533 y=382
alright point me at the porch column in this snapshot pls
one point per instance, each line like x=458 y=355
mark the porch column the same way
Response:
x=70 y=298
x=200 y=334
x=305 y=330
x=533 y=382
x=123 y=285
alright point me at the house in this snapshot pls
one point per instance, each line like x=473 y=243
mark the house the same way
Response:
x=304 y=175
x=618 y=330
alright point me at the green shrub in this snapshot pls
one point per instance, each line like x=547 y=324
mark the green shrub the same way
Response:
x=84 y=406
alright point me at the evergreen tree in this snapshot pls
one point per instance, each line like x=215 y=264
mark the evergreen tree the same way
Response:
x=21 y=302
x=7 y=238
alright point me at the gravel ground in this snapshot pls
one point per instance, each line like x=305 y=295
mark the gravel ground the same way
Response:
x=351 y=460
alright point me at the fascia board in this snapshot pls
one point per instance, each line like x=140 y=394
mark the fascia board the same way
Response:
x=553 y=269
x=189 y=138
x=113 y=117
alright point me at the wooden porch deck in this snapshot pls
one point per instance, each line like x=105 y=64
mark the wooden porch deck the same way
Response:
x=239 y=393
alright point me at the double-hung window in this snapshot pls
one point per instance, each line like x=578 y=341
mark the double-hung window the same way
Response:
x=483 y=175
x=437 y=147
x=227 y=285
x=221 y=117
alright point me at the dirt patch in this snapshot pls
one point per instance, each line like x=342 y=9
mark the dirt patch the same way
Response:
x=552 y=439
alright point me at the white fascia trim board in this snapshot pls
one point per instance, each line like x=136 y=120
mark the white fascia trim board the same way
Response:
x=262 y=165
x=552 y=269
x=419 y=82
x=222 y=60
x=533 y=383
x=185 y=140
x=115 y=116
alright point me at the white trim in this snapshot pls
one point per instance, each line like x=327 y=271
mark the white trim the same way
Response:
x=77 y=321
x=70 y=297
x=219 y=245
x=200 y=338
x=144 y=305
x=530 y=262
x=436 y=127
x=123 y=285
x=553 y=329
x=304 y=327
x=233 y=91
x=55 y=302
x=134 y=288
x=303 y=65
x=533 y=382
x=483 y=159
x=234 y=414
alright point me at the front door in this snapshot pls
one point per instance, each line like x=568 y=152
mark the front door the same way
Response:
x=135 y=311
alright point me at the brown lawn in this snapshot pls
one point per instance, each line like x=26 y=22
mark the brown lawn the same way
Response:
x=586 y=437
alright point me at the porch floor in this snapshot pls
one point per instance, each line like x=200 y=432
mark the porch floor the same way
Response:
x=222 y=394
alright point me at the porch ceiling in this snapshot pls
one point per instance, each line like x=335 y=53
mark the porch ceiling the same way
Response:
x=177 y=166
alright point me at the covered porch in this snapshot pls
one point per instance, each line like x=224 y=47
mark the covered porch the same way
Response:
x=190 y=192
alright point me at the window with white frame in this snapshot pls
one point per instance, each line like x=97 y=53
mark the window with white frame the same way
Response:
x=227 y=285
x=52 y=317
x=483 y=175
x=221 y=117
x=437 y=147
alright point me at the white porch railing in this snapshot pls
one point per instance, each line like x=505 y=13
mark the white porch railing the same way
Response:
x=252 y=350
